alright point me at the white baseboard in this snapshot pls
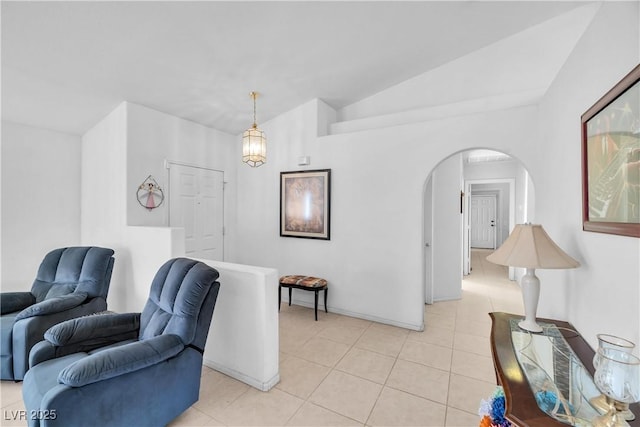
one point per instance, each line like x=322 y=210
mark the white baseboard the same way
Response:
x=253 y=382
x=404 y=325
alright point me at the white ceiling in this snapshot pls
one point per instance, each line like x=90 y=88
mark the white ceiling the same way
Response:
x=65 y=65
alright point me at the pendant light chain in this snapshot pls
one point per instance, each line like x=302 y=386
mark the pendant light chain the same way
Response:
x=254 y=95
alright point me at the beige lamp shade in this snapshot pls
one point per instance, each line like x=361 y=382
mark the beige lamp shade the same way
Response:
x=529 y=246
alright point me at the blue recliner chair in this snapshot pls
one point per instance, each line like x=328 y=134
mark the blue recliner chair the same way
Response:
x=139 y=369
x=71 y=282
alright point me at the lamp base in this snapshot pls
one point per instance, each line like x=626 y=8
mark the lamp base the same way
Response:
x=529 y=325
x=530 y=285
x=610 y=419
x=603 y=403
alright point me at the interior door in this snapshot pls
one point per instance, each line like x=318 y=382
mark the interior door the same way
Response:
x=428 y=239
x=196 y=199
x=483 y=222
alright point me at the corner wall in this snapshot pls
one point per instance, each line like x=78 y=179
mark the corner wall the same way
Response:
x=118 y=153
x=603 y=294
x=40 y=199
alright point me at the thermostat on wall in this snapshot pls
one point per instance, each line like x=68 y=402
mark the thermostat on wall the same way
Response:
x=304 y=160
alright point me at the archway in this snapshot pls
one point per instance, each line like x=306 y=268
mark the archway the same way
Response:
x=447 y=237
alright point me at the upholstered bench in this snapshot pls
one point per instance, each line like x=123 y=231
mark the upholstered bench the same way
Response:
x=306 y=283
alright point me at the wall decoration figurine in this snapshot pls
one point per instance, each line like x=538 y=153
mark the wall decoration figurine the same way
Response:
x=150 y=194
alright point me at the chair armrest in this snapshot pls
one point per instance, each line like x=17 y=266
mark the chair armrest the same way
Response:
x=121 y=360
x=53 y=305
x=97 y=328
x=15 y=301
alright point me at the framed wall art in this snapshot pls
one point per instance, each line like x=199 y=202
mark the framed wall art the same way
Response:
x=611 y=160
x=305 y=198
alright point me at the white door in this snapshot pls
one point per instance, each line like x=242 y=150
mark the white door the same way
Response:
x=196 y=198
x=428 y=240
x=482 y=224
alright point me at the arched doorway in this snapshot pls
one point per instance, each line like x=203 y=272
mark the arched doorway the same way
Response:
x=448 y=196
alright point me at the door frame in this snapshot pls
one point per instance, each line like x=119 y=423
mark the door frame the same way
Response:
x=466 y=244
x=167 y=164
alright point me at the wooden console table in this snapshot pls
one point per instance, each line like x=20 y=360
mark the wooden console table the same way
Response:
x=521 y=406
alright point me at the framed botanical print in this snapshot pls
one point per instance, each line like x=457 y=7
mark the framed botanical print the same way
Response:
x=611 y=160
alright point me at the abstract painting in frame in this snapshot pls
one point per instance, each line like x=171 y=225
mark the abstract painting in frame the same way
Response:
x=305 y=198
x=611 y=160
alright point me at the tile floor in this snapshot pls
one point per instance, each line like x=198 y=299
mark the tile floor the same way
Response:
x=342 y=371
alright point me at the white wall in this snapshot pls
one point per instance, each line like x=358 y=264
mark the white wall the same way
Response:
x=486 y=75
x=603 y=294
x=40 y=199
x=118 y=154
x=374 y=259
x=103 y=199
x=152 y=138
x=447 y=230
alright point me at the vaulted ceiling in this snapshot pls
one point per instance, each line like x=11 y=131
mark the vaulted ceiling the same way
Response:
x=65 y=65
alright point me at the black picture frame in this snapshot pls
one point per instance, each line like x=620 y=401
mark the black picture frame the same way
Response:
x=305 y=204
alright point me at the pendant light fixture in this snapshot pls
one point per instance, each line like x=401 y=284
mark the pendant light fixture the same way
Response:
x=254 y=143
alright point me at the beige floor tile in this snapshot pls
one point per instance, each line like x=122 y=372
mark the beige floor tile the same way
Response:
x=427 y=354
x=194 y=418
x=10 y=392
x=313 y=415
x=437 y=320
x=293 y=338
x=389 y=329
x=344 y=334
x=458 y=418
x=473 y=365
x=381 y=342
x=347 y=395
x=423 y=381
x=465 y=393
x=323 y=351
x=432 y=335
x=300 y=377
x=444 y=308
x=217 y=391
x=397 y=408
x=472 y=344
x=367 y=364
x=352 y=322
x=472 y=327
x=258 y=408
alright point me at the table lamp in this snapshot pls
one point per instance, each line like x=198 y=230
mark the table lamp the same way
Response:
x=530 y=247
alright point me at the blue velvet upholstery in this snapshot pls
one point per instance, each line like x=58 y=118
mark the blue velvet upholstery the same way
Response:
x=71 y=282
x=139 y=369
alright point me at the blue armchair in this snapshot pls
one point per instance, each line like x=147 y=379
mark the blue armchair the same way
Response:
x=139 y=369
x=71 y=282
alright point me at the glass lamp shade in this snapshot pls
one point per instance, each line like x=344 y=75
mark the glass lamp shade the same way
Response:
x=618 y=375
x=614 y=342
x=254 y=147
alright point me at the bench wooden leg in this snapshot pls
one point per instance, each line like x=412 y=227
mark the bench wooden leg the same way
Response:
x=279 y=296
x=325 y=300
x=290 y=289
x=316 y=304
